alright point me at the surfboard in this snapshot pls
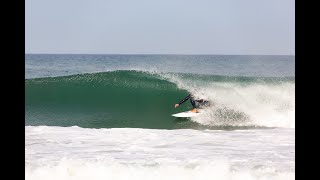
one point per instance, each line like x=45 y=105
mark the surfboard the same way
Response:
x=186 y=114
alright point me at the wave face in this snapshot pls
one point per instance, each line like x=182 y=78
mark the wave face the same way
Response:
x=140 y=99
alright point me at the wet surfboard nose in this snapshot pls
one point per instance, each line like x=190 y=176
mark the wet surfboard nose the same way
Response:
x=186 y=114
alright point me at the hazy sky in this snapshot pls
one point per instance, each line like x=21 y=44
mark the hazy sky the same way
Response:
x=160 y=26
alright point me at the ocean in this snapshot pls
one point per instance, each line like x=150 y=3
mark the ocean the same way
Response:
x=109 y=117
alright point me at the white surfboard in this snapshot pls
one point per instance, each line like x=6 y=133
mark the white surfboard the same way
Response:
x=186 y=114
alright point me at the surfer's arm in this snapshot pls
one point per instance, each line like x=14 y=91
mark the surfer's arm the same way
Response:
x=184 y=99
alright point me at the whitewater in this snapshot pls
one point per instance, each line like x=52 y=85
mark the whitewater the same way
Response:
x=75 y=129
x=79 y=153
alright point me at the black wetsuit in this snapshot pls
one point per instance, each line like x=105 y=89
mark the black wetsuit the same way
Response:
x=196 y=103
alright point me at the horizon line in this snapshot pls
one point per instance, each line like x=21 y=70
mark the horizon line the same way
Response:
x=182 y=54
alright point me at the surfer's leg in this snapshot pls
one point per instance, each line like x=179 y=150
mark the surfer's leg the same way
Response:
x=202 y=103
x=206 y=103
x=193 y=105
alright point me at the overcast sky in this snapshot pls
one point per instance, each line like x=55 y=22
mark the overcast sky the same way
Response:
x=160 y=26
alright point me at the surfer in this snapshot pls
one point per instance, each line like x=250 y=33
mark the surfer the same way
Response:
x=196 y=103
